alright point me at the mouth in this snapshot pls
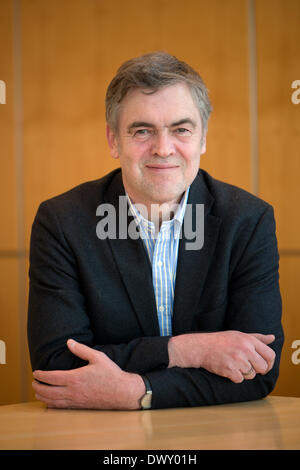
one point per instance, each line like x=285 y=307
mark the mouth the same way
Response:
x=159 y=167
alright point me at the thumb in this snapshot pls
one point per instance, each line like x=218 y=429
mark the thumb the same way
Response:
x=266 y=339
x=81 y=350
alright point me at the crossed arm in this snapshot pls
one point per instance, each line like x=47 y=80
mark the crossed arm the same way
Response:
x=185 y=370
x=102 y=384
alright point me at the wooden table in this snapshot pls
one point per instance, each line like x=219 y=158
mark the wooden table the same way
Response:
x=272 y=423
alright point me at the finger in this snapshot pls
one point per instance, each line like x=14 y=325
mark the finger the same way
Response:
x=91 y=355
x=266 y=339
x=54 y=403
x=235 y=376
x=53 y=377
x=249 y=372
x=232 y=372
x=266 y=353
x=81 y=350
x=50 y=392
x=258 y=362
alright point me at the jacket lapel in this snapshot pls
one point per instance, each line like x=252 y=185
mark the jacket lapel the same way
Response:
x=134 y=266
x=193 y=265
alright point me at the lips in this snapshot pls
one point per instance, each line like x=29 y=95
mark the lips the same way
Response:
x=161 y=167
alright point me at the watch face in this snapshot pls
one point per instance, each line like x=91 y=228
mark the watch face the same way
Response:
x=146 y=401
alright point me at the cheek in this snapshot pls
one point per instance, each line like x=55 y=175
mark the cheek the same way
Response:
x=190 y=153
x=131 y=162
x=137 y=154
x=191 y=164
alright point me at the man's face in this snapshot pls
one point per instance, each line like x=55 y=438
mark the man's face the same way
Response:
x=159 y=143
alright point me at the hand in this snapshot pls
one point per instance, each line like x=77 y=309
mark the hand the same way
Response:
x=100 y=385
x=230 y=354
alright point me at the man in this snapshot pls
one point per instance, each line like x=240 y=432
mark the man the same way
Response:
x=151 y=320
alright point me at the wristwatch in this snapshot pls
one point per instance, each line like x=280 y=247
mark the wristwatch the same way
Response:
x=147 y=398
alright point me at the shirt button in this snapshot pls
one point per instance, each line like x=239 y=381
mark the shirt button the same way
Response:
x=161 y=308
x=159 y=263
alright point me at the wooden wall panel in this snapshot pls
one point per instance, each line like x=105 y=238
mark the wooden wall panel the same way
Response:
x=278 y=58
x=71 y=51
x=10 y=376
x=289 y=378
x=8 y=232
x=213 y=37
x=10 y=372
x=278 y=65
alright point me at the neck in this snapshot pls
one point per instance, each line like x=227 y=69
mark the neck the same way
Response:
x=157 y=212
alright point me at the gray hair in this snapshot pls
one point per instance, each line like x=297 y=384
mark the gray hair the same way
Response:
x=152 y=72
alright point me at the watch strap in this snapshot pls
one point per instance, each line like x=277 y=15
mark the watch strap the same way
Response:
x=147 y=398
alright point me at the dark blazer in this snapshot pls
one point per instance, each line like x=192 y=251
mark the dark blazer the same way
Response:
x=100 y=292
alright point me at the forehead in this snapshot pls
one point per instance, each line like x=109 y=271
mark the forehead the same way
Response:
x=171 y=103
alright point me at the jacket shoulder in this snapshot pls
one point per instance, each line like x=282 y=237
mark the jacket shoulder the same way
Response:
x=89 y=190
x=232 y=200
x=77 y=205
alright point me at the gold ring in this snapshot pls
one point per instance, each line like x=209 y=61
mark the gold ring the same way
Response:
x=249 y=372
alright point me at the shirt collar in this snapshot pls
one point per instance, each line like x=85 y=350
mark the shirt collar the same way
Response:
x=177 y=219
x=179 y=214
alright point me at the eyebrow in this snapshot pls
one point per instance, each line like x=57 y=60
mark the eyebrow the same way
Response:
x=136 y=124
x=184 y=121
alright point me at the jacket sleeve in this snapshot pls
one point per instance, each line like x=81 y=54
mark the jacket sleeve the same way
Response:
x=254 y=307
x=57 y=308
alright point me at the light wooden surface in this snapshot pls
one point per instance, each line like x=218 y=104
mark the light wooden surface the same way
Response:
x=272 y=423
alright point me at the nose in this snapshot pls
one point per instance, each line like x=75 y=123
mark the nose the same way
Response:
x=163 y=145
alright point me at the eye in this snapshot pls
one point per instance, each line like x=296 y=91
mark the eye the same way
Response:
x=182 y=131
x=142 y=133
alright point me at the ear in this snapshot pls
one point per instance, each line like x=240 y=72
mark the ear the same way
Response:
x=112 y=142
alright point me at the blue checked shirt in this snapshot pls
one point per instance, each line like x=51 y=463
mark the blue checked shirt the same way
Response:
x=162 y=249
